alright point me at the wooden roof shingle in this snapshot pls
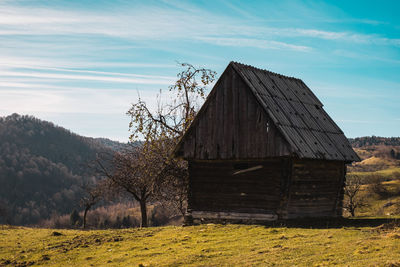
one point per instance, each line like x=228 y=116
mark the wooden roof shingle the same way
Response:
x=298 y=114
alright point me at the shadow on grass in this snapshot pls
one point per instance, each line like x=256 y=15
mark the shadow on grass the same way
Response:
x=324 y=223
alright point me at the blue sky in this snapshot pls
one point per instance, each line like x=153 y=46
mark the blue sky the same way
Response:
x=81 y=64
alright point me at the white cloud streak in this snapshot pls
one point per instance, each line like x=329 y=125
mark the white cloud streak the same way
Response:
x=94 y=101
x=257 y=43
x=135 y=79
x=41 y=63
x=162 y=24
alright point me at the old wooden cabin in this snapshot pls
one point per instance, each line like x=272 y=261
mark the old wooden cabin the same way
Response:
x=263 y=148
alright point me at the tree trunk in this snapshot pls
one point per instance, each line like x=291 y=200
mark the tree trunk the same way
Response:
x=143 y=210
x=84 y=217
x=352 y=212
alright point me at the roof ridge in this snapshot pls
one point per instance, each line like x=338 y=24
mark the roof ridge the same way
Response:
x=265 y=70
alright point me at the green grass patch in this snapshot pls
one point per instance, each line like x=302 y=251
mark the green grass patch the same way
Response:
x=387 y=173
x=205 y=245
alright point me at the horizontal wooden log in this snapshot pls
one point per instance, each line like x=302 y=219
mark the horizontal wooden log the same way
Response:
x=255 y=203
x=315 y=178
x=311 y=195
x=234 y=216
x=312 y=205
x=328 y=187
x=231 y=173
x=249 y=189
x=227 y=181
x=313 y=215
x=310 y=209
x=229 y=201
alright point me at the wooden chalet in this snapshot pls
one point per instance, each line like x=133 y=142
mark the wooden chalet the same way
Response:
x=263 y=148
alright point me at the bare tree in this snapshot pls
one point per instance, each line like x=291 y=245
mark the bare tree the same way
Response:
x=149 y=172
x=94 y=192
x=170 y=120
x=161 y=129
x=353 y=200
x=173 y=185
x=130 y=170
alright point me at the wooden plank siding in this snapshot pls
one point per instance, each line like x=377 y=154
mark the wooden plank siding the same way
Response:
x=214 y=186
x=231 y=123
x=287 y=188
x=316 y=189
x=233 y=126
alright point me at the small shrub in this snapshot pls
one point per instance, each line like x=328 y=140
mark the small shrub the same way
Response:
x=159 y=216
x=75 y=219
x=376 y=186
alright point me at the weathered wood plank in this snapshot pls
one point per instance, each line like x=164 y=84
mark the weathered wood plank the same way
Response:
x=236 y=119
x=220 y=122
x=243 y=134
x=234 y=216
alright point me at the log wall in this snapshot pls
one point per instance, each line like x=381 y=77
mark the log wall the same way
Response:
x=283 y=188
x=316 y=189
x=226 y=186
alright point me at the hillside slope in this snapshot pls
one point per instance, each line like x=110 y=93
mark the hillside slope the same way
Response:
x=205 y=245
x=376 y=153
x=41 y=168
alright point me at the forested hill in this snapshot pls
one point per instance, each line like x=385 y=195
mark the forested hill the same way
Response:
x=42 y=167
x=374 y=140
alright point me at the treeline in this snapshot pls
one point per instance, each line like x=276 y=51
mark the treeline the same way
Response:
x=374 y=140
x=117 y=215
x=41 y=168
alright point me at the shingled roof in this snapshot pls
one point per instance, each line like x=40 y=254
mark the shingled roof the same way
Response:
x=298 y=115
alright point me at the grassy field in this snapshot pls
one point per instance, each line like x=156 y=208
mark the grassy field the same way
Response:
x=386 y=173
x=205 y=245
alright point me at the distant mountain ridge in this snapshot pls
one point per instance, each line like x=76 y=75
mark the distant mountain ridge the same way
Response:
x=42 y=166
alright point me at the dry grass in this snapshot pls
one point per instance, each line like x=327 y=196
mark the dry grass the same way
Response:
x=205 y=245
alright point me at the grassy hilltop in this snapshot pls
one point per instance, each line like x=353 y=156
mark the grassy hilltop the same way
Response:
x=205 y=245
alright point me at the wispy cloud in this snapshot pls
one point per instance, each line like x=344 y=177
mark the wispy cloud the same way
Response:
x=357 y=121
x=96 y=101
x=116 y=78
x=164 y=24
x=61 y=57
x=346 y=36
x=257 y=43
x=363 y=57
x=39 y=62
